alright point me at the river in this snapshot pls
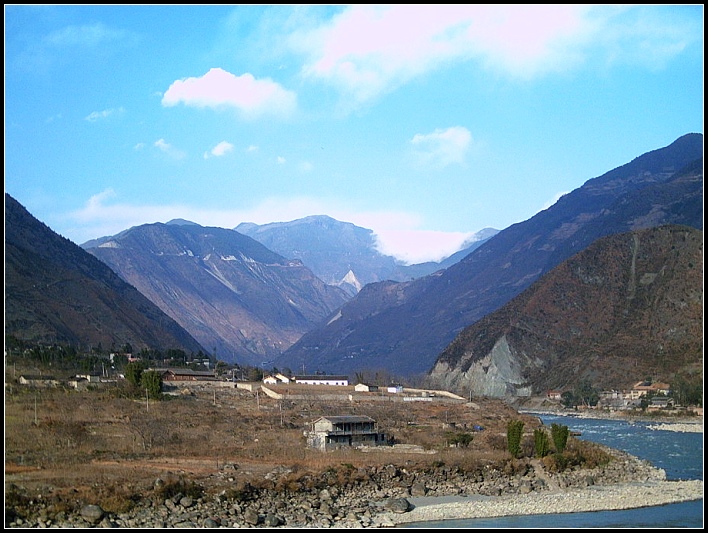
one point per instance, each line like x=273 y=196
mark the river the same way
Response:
x=679 y=454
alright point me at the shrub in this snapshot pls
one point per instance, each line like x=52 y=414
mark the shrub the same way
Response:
x=514 y=432
x=541 y=444
x=555 y=462
x=559 y=434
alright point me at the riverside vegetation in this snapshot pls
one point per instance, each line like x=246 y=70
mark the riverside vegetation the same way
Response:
x=209 y=456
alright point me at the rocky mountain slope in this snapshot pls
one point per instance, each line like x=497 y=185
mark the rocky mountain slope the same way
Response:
x=628 y=306
x=403 y=327
x=343 y=254
x=55 y=292
x=242 y=301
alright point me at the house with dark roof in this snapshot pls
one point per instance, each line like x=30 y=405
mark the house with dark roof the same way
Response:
x=332 y=432
x=185 y=374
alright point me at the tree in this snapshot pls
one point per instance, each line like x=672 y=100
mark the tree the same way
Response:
x=133 y=372
x=540 y=440
x=586 y=394
x=559 y=434
x=568 y=399
x=152 y=382
x=514 y=432
x=461 y=439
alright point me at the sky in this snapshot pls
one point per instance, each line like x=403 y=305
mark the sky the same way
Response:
x=423 y=123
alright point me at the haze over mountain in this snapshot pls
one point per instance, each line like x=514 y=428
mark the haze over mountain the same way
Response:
x=243 y=301
x=403 y=327
x=627 y=307
x=343 y=254
x=55 y=292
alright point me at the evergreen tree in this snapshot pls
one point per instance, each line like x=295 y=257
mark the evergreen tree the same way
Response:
x=514 y=432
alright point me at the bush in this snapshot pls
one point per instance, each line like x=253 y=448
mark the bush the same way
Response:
x=514 y=432
x=541 y=444
x=559 y=434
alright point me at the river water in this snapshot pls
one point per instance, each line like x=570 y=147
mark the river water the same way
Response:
x=679 y=454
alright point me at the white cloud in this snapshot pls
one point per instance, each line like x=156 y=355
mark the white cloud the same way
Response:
x=553 y=200
x=87 y=35
x=280 y=160
x=397 y=233
x=419 y=246
x=219 y=150
x=168 y=149
x=369 y=50
x=219 y=88
x=252 y=148
x=96 y=115
x=442 y=147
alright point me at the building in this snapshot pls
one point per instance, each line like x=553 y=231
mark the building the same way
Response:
x=38 y=381
x=184 y=374
x=363 y=387
x=332 y=432
x=322 y=379
x=276 y=379
x=643 y=388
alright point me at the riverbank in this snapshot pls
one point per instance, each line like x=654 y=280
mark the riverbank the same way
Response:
x=576 y=500
x=391 y=496
x=692 y=424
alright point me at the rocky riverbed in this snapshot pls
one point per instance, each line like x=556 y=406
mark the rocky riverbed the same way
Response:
x=391 y=495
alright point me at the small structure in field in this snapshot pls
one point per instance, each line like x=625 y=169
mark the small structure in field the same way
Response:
x=332 y=432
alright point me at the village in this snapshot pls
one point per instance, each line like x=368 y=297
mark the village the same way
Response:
x=334 y=428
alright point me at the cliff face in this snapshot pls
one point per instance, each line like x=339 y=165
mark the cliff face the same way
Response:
x=627 y=307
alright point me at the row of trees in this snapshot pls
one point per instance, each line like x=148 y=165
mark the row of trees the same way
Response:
x=515 y=433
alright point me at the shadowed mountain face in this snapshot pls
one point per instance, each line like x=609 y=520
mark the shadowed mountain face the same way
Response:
x=55 y=292
x=241 y=300
x=403 y=327
x=628 y=306
x=343 y=254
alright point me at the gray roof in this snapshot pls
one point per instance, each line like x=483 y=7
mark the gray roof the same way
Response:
x=346 y=418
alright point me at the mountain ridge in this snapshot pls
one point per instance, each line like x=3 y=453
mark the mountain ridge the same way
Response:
x=406 y=335
x=55 y=292
x=610 y=315
x=239 y=298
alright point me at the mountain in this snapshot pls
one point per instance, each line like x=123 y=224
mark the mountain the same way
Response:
x=403 y=327
x=242 y=301
x=55 y=292
x=628 y=306
x=343 y=254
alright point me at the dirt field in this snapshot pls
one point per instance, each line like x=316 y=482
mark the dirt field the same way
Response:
x=95 y=441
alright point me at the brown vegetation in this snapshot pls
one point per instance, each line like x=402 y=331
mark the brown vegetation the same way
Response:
x=103 y=446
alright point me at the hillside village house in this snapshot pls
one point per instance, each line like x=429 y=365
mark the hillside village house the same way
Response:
x=332 y=432
x=38 y=381
x=184 y=374
x=323 y=380
x=643 y=388
x=276 y=379
x=363 y=387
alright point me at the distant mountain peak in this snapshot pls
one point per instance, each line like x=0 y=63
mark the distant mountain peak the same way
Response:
x=181 y=222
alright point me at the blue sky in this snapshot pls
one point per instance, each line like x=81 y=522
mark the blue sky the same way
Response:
x=423 y=123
